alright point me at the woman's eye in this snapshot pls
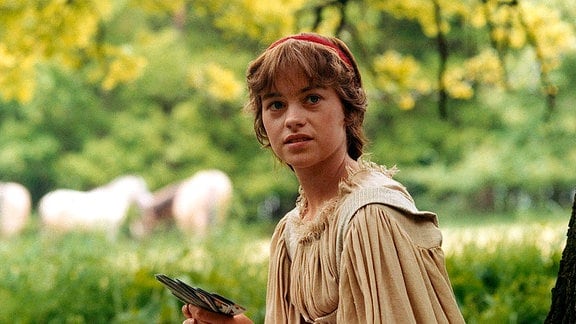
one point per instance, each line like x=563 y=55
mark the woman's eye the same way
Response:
x=276 y=105
x=313 y=99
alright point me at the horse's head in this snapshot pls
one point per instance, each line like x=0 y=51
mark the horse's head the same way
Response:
x=134 y=188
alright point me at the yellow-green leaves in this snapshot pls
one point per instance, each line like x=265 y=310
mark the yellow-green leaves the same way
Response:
x=400 y=76
x=65 y=32
x=218 y=82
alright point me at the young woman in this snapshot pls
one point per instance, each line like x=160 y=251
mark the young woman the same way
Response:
x=354 y=249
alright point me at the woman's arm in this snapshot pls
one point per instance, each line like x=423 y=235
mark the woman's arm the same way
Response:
x=392 y=270
x=196 y=315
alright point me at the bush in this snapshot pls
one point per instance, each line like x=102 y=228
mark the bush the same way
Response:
x=505 y=273
x=86 y=278
x=501 y=273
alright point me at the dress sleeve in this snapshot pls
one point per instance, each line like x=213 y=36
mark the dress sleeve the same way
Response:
x=392 y=270
x=278 y=307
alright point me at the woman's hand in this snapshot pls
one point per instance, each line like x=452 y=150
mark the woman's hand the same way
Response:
x=196 y=315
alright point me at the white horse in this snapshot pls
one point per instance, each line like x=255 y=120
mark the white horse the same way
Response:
x=193 y=204
x=101 y=209
x=15 y=207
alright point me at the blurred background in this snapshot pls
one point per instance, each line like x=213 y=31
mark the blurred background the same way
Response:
x=472 y=100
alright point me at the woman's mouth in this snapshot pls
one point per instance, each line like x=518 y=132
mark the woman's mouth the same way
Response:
x=296 y=139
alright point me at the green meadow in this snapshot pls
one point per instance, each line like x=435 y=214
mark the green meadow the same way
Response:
x=502 y=269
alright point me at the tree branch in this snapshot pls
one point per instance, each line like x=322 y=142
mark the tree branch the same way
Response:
x=563 y=309
x=443 y=52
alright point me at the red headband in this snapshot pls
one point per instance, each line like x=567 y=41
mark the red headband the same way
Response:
x=318 y=40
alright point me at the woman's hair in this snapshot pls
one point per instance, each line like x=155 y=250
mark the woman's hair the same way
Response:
x=326 y=62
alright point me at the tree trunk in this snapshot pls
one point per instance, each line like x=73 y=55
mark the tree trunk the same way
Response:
x=563 y=309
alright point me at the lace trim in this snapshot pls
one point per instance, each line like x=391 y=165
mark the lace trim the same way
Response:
x=310 y=231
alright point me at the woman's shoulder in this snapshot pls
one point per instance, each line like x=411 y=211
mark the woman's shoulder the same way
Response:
x=371 y=175
x=373 y=184
x=281 y=231
x=371 y=195
x=281 y=225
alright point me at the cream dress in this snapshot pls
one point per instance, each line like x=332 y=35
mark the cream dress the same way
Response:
x=385 y=266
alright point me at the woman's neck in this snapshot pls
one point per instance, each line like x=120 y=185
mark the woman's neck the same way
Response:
x=321 y=184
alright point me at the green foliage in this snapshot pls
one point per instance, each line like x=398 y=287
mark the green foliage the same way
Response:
x=86 y=278
x=504 y=273
x=156 y=88
x=501 y=272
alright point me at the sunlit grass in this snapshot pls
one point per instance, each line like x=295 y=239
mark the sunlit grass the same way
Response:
x=548 y=236
x=502 y=270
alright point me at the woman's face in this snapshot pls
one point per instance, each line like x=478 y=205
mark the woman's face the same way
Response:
x=305 y=124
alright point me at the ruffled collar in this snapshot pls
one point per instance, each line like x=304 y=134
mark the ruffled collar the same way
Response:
x=304 y=232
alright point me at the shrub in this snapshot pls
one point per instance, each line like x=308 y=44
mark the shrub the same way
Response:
x=501 y=273
x=505 y=273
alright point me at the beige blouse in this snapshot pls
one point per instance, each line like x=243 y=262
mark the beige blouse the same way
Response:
x=387 y=268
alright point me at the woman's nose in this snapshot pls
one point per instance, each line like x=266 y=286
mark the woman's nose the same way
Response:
x=295 y=116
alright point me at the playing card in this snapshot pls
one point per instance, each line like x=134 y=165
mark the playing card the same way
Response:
x=199 y=297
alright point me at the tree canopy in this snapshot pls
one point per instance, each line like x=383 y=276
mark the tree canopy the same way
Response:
x=469 y=98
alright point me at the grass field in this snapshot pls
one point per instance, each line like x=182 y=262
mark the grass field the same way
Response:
x=502 y=269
